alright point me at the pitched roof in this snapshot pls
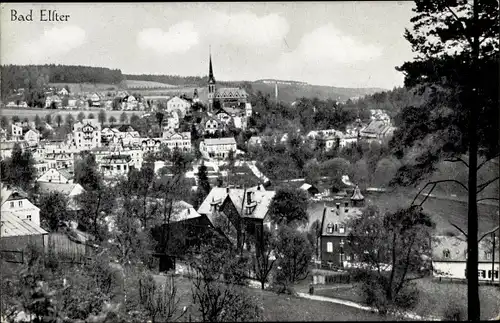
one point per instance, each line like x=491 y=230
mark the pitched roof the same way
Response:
x=230 y=92
x=336 y=214
x=220 y=141
x=216 y=195
x=12 y=226
x=184 y=211
x=12 y=193
x=457 y=248
x=259 y=200
x=357 y=196
x=377 y=127
x=62 y=188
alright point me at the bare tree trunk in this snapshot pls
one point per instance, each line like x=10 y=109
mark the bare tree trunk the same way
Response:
x=473 y=309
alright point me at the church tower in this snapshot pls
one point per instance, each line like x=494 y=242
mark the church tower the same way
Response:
x=211 y=84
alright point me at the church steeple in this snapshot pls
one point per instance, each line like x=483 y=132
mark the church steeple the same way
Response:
x=211 y=79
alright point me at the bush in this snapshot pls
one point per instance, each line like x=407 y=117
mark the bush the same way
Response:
x=408 y=297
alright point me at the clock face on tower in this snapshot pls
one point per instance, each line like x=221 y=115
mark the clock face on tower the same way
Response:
x=87 y=130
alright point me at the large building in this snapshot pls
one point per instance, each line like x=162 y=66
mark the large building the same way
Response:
x=16 y=202
x=218 y=148
x=233 y=98
x=87 y=134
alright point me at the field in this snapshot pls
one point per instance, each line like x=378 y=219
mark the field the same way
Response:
x=135 y=84
x=87 y=87
x=284 y=307
x=31 y=113
x=433 y=297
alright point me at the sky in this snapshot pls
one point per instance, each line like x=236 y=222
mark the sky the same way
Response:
x=343 y=44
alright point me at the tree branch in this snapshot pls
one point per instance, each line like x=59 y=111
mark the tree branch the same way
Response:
x=437 y=182
x=488 y=198
x=458 y=228
x=461 y=25
x=482 y=186
x=457 y=159
x=487 y=160
x=489 y=232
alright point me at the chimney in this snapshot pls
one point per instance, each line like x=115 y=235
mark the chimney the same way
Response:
x=249 y=197
x=338 y=206
x=227 y=190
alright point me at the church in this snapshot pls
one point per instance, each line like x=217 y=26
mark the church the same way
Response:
x=232 y=99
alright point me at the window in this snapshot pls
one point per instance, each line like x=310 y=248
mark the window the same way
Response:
x=481 y=273
x=118 y=167
x=336 y=228
x=495 y=274
x=487 y=254
x=20 y=203
x=329 y=228
x=11 y=205
x=341 y=228
x=28 y=217
x=446 y=253
x=329 y=247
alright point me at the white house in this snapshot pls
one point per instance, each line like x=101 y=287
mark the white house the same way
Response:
x=17 y=132
x=53 y=175
x=178 y=104
x=177 y=140
x=212 y=125
x=217 y=148
x=16 y=202
x=150 y=144
x=87 y=134
x=32 y=137
x=63 y=92
x=115 y=165
x=96 y=100
x=449 y=256
x=7 y=146
x=69 y=190
x=248 y=109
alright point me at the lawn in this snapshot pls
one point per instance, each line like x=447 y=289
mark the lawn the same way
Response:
x=434 y=297
x=287 y=308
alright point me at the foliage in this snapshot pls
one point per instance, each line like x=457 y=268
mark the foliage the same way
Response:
x=112 y=120
x=289 y=206
x=293 y=254
x=203 y=183
x=96 y=204
x=19 y=169
x=123 y=118
x=59 y=120
x=90 y=116
x=101 y=117
x=263 y=260
x=86 y=173
x=53 y=210
x=80 y=116
x=392 y=250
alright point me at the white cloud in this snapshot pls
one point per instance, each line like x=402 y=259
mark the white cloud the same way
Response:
x=53 y=43
x=247 y=29
x=328 y=44
x=178 y=39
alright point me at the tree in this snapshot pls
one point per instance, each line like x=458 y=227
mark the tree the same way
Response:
x=70 y=121
x=385 y=171
x=53 y=210
x=48 y=119
x=335 y=168
x=90 y=116
x=15 y=119
x=134 y=118
x=19 y=169
x=38 y=122
x=101 y=117
x=264 y=258
x=96 y=205
x=65 y=101
x=80 y=116
x=59 y=120
x=4 y=122
x=394 y=249
x=159 y=118
x=112 y=119
x=461 y=114
x=293 y=253
x=53 y=105
x=289 y=206
x=86 y=173
x=116 y=105
x=217 y=269
x=123 y=117
x=203 y=183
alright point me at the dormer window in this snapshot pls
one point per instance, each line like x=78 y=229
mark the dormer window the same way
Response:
x=446 y=253
x=487 y=255
x=341 y=228
x=329 y=228
x=336 y=228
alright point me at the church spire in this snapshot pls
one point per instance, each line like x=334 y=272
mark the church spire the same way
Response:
x=211 y=78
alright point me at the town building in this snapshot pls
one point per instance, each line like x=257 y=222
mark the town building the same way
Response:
x=69 y=190
x=7 y=146
x=63 y=92
x=53 y=99
x=17 y=132
x=87 y=134
x=95 y=99
x=212 y=125
x=179 y=105
x=53 y=175
x=115 y=165
x=151 y=144
x=32 y=137
x=173 y=140
x=218 y=148
x=377 y=130
x=241 y=214
x=449 y=258
x=333 y=250
x=16 y=202
x=235 y=98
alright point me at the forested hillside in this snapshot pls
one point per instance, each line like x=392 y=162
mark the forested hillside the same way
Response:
x=32 y=77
